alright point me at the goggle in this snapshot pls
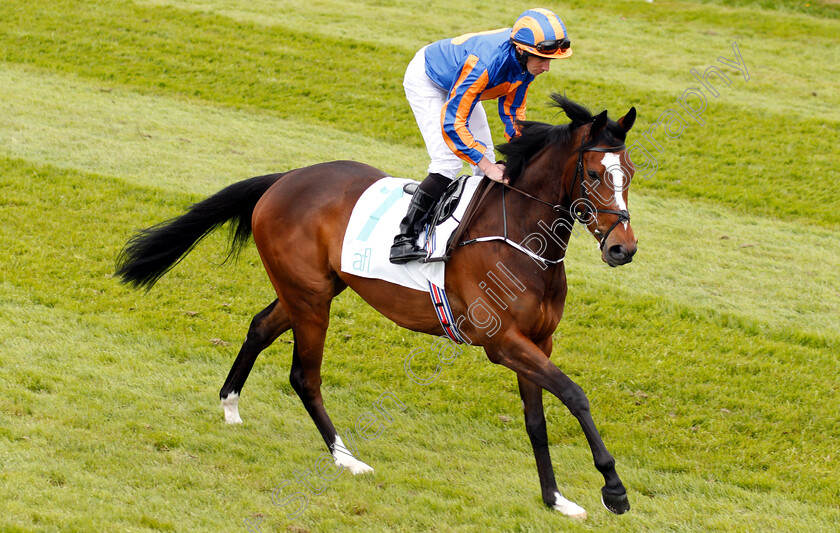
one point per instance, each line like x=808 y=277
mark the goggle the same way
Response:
x=549 y=47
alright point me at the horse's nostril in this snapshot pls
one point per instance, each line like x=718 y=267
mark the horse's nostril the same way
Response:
x=617 y=251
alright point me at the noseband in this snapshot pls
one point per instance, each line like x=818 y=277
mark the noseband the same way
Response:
x=623 y=215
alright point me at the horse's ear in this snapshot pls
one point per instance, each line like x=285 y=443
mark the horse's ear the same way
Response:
x=598 y=124
x=626 y=122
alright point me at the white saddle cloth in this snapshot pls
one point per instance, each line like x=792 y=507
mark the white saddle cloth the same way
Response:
x=375 y=222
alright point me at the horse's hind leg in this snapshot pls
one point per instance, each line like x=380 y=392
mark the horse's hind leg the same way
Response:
x=266 y=326
x=310 y=330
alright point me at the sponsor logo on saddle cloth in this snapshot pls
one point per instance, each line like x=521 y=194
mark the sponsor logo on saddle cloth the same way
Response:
x=376 y=221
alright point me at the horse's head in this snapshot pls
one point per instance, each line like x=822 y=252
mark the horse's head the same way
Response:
x=599 y=186
x=582 y=167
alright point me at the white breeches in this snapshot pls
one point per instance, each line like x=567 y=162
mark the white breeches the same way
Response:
x=426 y=100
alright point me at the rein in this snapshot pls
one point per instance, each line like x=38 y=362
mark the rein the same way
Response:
x=623 y=215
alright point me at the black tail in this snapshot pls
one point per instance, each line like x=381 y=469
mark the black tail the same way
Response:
x=155 y=251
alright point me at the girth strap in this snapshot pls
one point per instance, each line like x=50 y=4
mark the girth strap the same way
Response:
x=444 y=313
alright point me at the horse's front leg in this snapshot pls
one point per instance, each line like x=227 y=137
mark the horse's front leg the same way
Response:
x=532 y=404
x=530 y=363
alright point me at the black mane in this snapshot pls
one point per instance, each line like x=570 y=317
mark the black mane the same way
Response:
x=534 y=136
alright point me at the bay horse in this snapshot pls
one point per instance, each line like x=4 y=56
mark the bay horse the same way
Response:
x=565 y=172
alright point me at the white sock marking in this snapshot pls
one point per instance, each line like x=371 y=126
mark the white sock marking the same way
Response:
x=567 y=507
x=231 y=407
x=344 y=458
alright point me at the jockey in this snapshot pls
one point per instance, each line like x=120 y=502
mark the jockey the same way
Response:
x=444 y=84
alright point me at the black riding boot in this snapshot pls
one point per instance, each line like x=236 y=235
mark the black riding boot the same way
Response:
x=427 y=194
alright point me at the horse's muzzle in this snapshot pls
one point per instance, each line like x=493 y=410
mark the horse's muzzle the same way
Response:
x=619 y=254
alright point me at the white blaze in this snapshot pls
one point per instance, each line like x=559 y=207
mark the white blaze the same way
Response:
x=612 y=162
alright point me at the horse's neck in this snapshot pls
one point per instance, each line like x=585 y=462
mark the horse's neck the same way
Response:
x=548 y=178
x=547 y=175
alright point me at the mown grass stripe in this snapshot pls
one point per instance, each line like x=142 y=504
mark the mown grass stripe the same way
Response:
x=818 y=13
x=208 y=58
x=804 y=66
x=351 y=18
x=163 y=142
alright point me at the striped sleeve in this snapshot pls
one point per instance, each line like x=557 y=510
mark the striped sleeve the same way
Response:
x=512 y=107
x=463 y=98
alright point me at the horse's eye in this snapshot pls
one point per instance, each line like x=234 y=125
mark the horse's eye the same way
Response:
x=593 y=175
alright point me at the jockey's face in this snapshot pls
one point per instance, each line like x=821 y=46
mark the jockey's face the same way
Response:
x=537 y=65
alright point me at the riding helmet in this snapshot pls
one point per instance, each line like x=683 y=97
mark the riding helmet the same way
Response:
x=540 y=32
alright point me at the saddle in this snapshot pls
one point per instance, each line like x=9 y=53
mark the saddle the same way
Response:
x=446 y=206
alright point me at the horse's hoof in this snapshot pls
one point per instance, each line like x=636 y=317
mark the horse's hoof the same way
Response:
x=615 y=503
x=567 y=508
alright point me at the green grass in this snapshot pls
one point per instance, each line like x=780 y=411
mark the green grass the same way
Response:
x=273 y=64
x=710 y=361
x=176 y=145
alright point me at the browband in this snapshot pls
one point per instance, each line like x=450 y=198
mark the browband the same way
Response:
x=604 y=149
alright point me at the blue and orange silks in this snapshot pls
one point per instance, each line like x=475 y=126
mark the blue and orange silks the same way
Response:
x=472 y=68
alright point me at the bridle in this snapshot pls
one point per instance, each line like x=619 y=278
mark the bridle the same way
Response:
x=623 y=215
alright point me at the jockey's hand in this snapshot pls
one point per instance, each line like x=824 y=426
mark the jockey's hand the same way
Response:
x=494 y=171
